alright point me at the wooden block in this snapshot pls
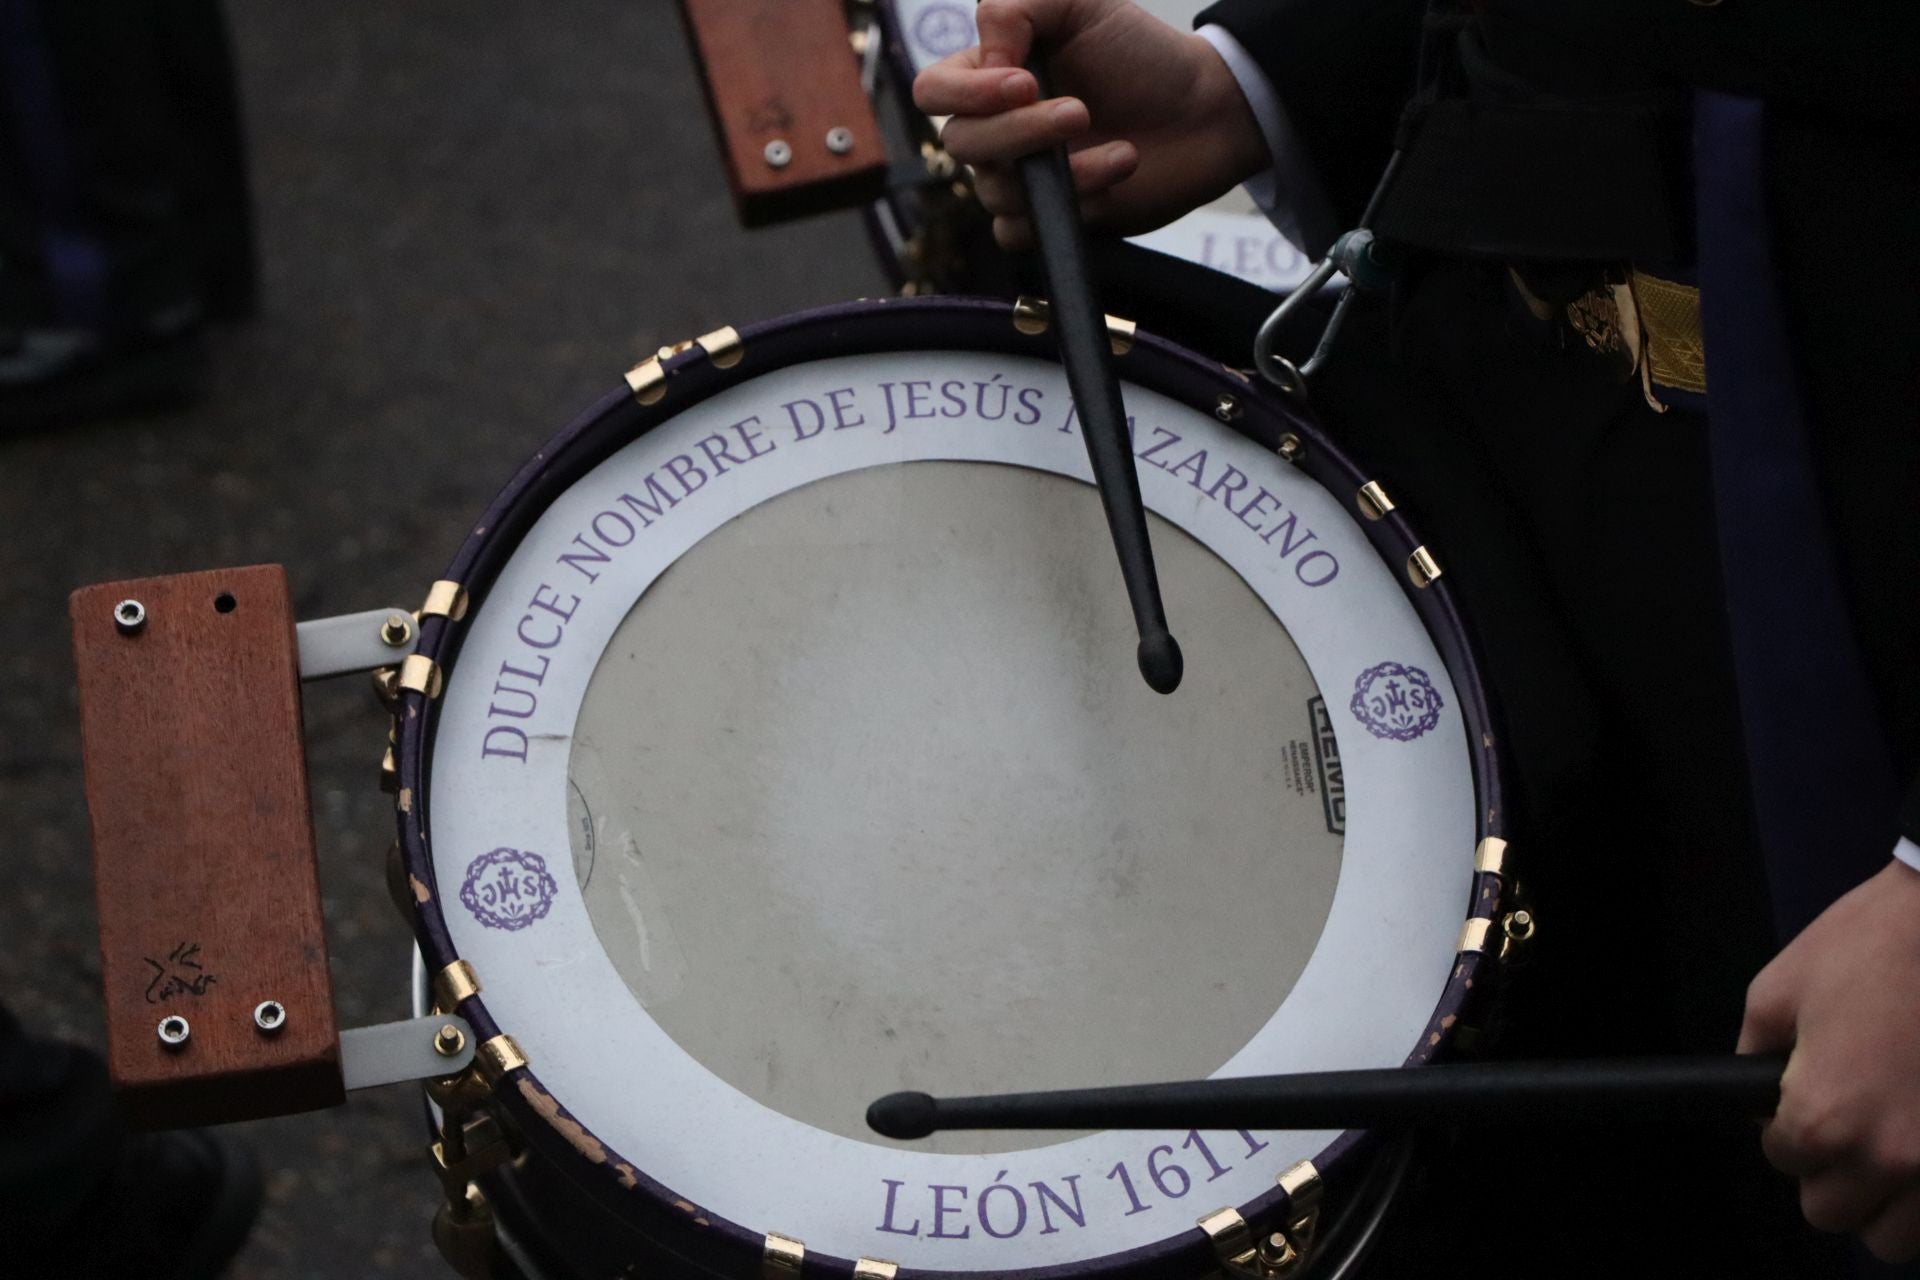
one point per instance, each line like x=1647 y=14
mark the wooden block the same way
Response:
x=783 y=71
x=203 y=853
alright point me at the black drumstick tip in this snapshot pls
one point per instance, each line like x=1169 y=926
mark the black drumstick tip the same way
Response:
x=1160 y=661
x=902 y=1115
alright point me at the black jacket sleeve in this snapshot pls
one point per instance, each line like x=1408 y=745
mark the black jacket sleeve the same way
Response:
x=1343 y=69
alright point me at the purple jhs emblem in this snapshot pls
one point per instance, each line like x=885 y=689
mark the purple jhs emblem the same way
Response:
x=508 y=889
x=1395 y=701
x=942 y=29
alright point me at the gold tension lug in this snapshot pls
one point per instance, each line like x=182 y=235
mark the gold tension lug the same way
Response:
x=648 y=379
x=1278 y=1254
x=782 y=1257
x=454 y=984
x=1032 y=316
x=445 y=599
x=472 y=1141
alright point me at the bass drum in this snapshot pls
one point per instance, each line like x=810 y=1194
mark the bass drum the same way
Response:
x=791 y=751
x=1205 y=280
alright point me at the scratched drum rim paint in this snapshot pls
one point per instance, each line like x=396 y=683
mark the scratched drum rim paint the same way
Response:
x=1242 y=245
x=655 y=1211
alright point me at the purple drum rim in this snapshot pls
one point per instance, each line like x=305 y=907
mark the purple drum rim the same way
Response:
x=896 y=63
x=669 y=1222
x=893 y=47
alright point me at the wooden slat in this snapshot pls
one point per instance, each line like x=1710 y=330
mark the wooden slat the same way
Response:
x=203 y=850
x=783 y=70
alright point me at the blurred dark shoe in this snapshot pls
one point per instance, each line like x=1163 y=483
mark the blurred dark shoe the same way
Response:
x=61 y=377
x=177 y=1206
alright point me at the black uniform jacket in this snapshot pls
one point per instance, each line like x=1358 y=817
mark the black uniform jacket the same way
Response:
x=1842 y=88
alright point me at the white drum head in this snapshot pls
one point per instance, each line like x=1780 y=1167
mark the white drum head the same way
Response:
x=933 y=711
x=798 y=755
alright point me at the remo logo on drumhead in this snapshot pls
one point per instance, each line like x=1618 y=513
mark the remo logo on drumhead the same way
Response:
x=792 y=753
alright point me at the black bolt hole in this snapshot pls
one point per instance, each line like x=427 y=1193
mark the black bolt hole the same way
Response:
x=224 y=602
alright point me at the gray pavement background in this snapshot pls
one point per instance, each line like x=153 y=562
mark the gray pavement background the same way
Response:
x=471 y=219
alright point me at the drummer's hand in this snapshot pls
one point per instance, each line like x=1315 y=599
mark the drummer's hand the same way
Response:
x=1845 y=997
x=1157 y=124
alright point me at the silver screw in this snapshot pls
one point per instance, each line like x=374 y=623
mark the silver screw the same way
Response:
x=840 y=140
x=129 y=616
x=778 y=153
x=270 y=1016
x=174 y=1031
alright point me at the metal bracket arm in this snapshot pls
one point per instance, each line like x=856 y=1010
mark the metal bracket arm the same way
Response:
x=355 y=642
x=438 y=1045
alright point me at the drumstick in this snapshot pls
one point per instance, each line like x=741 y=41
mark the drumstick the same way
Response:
x=1083 y=340
x=1700 y=1090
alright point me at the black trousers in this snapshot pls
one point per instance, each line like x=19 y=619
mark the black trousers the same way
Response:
x=59 y=1137
x=1575 y=523
x=120 y=144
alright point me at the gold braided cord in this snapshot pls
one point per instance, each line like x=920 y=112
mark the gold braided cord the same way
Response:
x=1670 y=317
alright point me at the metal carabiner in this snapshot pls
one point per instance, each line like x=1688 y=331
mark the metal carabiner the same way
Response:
x=1367 y=266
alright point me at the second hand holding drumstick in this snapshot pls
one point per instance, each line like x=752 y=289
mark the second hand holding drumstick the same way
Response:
x=1082 y=330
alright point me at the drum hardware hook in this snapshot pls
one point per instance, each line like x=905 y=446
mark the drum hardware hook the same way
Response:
x=723 y=346
x=1367 y=265
x=445 y=599
x=1373 y=501
x=1031 y=315
x=453 y=985
x=1422 y=569
x=1272 y=1257
x=1304 y=1189
x=782 y=1256
x=421 y=674
x=648 y=379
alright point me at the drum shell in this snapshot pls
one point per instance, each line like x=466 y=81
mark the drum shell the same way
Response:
x=568 y=1176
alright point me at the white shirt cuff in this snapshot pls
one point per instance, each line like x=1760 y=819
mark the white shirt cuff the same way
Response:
x=1289 y=193
x=1908 y=852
